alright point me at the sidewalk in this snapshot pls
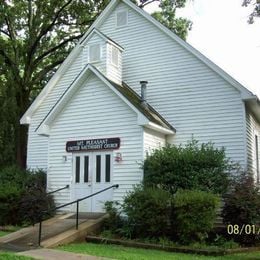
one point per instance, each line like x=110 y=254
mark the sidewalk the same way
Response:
x=52 y=254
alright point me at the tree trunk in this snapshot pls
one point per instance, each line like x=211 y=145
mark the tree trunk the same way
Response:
x=21 y=130
x=21 y=145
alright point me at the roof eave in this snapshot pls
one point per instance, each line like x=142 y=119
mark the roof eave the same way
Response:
x=253 y=104
x=160 y=129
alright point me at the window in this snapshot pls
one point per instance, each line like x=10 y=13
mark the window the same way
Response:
x=98 y=168
x=121 y=18
x=94 y=53
x=115 y=56
x=108 y=167
x=86 y=165
x=77 y=180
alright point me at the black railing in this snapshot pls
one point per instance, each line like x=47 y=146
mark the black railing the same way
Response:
x=65 y=187
x=67 y=204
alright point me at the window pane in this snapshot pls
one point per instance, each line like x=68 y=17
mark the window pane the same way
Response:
x=108 y=167
x=86 y=163
x=115 y=55
x=94 y=53
x=77 y=170
x=98 y=168
x=121 y=18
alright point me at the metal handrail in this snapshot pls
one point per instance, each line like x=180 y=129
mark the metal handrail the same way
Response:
x=65 y=187
x=67 y=204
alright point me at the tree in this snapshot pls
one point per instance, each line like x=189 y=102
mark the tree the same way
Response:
x=256 y=11
x=167 y=16
x=35 y=38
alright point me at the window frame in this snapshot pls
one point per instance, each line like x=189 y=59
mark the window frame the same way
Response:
x=100 y=52
x=124 y=25
x=118 y=53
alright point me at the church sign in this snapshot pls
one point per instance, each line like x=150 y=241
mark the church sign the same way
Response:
x=93 y=145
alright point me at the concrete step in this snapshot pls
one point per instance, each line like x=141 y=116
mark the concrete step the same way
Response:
x=55 y=231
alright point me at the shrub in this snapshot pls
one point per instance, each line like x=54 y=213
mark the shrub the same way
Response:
x=114 y=222
x=194 y=213
x=199 y=167
x=9 y=203
x=35 y=200
x=242 y=207
x=22 y=195
x=148 y=211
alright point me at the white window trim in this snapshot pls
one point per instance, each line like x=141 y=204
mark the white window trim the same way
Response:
x=122 y=26
x=100 y=49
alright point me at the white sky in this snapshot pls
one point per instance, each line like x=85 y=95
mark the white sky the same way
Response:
x=220 y=31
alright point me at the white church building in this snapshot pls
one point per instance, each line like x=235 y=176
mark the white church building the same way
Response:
x=128 y=87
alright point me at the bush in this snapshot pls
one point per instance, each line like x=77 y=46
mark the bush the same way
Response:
x=22 y=195
x=242 y=207
x=114 y=222
x=9 y=203
x=148 y=211
x=198 y=167
x=34 y=199
x=194 y=214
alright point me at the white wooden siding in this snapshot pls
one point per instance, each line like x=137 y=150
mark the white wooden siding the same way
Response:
x=37 y=151
x=191 y=96
x=96 y=112
x=152 y=140
x=253 y=128
x=113 y=72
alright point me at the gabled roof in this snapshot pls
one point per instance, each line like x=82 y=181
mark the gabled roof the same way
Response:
x=146 y=116
x=103 y=36
x=245 y=93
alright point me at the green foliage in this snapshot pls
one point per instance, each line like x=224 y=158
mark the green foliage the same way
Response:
x=200 y=167
x=9 y=203
x=22 y=196
x=242 y=207
x=8 y=116
x=35 y=200
x=256 y=11
x=194 y=213
x=167 y=16
x=114 y=222
x=148 y=211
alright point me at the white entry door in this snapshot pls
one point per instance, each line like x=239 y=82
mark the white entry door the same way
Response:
x=92 y=172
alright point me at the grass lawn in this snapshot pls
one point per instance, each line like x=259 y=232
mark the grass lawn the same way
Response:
x=127 y=253
x=3 y=233
x=12 y=256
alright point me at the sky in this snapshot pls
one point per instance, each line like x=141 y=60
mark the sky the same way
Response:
x=220 y=31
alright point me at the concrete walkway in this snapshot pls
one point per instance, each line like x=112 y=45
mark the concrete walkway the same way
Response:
x=52 y=254
x=56 y=231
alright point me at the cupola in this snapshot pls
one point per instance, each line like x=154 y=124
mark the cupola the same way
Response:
x=103 y=53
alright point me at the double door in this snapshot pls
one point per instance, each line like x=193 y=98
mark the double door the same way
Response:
x=92 y=172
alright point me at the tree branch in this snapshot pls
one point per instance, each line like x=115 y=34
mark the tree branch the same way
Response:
x=45 y=30
x=11 y=65
x=142 y=5
x=40 y=75
x=48 y=52
x=6 y=33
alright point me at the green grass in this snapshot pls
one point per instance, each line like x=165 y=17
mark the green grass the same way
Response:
x=12 y=256
x=127 y=253
x=3 y=233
